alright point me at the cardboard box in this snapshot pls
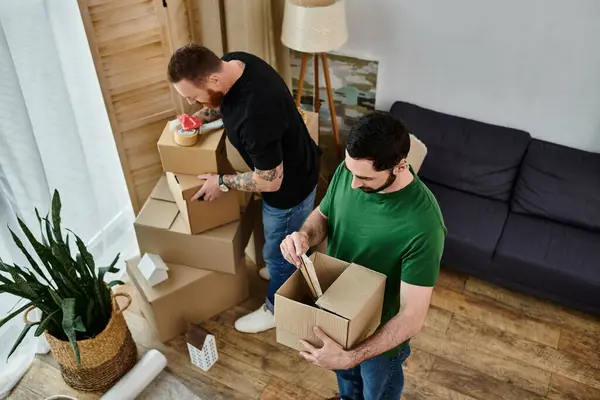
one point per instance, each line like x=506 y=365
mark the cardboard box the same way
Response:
x=161 y=229
x=190 y=295
x=206 y=156
x=201 y=216
x=240 y=165
x=348 y=312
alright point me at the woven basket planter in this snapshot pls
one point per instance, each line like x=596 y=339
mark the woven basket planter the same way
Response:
x=104 y=358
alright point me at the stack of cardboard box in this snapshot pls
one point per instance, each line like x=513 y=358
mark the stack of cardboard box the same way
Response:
x=201 y=242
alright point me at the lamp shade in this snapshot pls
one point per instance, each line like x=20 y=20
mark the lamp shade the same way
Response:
x=314 y=29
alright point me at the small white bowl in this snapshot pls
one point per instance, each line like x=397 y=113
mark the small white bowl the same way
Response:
x=61 y=396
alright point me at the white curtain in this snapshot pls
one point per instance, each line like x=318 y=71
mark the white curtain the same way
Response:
x=55 y=134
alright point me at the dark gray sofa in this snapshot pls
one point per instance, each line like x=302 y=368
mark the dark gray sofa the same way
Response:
x=520 y=212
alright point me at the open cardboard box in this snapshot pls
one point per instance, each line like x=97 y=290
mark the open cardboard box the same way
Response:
x=202 y=215
x=189 y=295
x=348 y=311
x=161 y=229
x=208 y=155
x=240 y=165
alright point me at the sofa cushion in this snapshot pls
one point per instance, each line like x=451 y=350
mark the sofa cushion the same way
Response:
x=550 y=256
x=474 y=226
x=472 y=156
x=559 y=183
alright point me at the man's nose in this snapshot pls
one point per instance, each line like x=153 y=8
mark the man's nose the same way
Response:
x=355 y=183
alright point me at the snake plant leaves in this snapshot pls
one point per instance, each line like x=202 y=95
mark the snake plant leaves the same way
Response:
x=68 y=325
x=46 y=321
x=71 y=294
x=14 y=314
x=22 y=335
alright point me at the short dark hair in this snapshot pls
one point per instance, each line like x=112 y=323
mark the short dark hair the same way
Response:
x=193 y=63
x=381 y=138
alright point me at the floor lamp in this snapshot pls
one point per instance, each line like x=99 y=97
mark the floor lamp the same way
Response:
x=316 y=29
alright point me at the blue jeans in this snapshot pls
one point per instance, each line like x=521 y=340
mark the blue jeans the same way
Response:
x=277 y=224
x=380 y=378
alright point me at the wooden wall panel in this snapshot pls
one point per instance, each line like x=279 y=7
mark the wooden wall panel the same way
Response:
x=208 y=24
x=131 y=44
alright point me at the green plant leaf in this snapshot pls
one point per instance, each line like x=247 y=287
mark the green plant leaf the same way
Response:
x=21 y=247
x=45 y=322
x=25 y=287
x=111 y=268
x=22 y=335
x=14 y=314
x=49 y=233
x=56 y=206
x=39 y=218
x=85 y=254
x=43 y=253
x=61 y=252
x=78 y=324
x=89 y=313
x=55 y=297
x=81 y=267
x=13 y=288
x=68 y=324
x=98 y=289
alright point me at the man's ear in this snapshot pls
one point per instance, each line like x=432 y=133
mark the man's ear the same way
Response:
x=402 y=165
x=213 y=79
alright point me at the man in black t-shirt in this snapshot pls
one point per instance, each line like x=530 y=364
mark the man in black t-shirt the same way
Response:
x=262 y=122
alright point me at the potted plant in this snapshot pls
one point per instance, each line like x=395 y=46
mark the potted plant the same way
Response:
x=81 y=319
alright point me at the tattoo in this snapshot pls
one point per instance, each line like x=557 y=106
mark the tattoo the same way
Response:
x=241 y=64
x=271 y=174
x=210 y=114
x=244 y=182
x=255 y=181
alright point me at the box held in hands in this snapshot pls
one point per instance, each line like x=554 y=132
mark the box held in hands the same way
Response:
x=348 y=311
x=161 y=229
x=200 y=215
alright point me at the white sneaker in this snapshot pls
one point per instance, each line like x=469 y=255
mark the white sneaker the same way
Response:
x=264 y=273
x=258 y=321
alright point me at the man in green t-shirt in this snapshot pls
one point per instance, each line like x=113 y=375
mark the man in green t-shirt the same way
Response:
x=377 y=213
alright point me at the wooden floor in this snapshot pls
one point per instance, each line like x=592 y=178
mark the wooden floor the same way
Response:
x=480 y=342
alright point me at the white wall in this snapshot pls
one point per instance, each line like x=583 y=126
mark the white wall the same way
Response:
x=529 y=64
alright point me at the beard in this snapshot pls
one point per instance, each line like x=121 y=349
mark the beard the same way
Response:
x=215 y=99
x=390 y=180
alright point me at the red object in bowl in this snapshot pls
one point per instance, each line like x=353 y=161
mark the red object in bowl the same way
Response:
x=189 y=122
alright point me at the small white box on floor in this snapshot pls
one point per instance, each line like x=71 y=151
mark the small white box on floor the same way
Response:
x=202 y=347
x=154 y=269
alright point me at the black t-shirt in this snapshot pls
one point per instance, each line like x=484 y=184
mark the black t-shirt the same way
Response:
x=262 y=122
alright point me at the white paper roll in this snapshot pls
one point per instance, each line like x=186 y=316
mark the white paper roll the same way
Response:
x=140 y=376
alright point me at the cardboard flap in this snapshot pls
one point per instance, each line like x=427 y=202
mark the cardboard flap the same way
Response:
x=349 y=293
x=328 y=269
x=180 y=225
x=157 y=214
x=188 y=185
x=161 y=190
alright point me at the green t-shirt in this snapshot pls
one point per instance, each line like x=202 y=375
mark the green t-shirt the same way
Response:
x=399 y=234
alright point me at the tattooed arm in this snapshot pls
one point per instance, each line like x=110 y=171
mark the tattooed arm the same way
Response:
x=256 y=181
x=208 y=114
